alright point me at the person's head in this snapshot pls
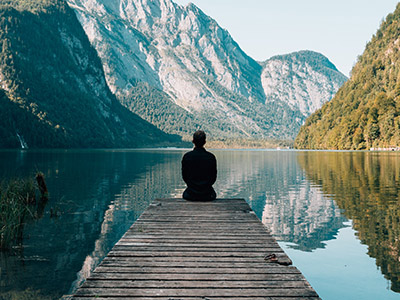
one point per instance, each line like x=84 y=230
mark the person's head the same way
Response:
x=199 y=138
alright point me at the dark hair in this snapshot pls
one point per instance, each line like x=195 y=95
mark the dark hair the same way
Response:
x=199 y=138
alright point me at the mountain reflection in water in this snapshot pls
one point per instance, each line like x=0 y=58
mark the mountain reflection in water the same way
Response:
x=98 y=194
x=276 y=187
x=366 y=187
x=303 y=197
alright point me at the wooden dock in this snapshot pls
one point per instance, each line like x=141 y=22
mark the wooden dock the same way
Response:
x=181 y=250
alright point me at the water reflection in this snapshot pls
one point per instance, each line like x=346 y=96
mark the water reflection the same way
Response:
x=366 y=186
x=155 y=181
x=99 y=194
x=275 y=185
x=304 y=197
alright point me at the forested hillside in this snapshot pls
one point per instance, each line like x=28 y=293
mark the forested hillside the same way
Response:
x=53 y=90
x=365 y=112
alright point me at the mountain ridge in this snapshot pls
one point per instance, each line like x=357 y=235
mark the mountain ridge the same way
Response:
x=193 y=62
x=129 y=62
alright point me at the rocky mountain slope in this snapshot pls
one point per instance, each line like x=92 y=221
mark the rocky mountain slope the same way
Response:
x=365 y=112
x=304 y=80
x=53 y=91
x=177 y=68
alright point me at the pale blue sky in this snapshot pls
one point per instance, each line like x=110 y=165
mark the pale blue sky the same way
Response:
x=338 y=29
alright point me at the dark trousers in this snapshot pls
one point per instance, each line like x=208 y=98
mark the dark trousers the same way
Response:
x=188 y=195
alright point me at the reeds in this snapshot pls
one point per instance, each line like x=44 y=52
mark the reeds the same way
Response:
x=27 y=294
x=16 y=198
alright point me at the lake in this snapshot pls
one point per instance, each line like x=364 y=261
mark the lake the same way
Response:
x=336 y=214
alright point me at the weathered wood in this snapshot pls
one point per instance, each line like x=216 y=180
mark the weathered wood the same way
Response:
x=206 y=239
x=42 y=185
x=210 y=278
x=207 y=227
x=164 y=270
x=190 y=254
x=212 y=233
x=192 y=284
x=197 y=250
x=195 y=244
x=188 y=259
x=183 y=264
x=198 y=236
x=190 y=292
x=196 y=298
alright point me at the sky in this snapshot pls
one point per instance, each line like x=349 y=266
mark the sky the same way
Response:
x=339 y=29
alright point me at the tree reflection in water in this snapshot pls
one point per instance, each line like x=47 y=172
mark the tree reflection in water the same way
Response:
x=101 y=193
x=294 y=209
x=366 y=186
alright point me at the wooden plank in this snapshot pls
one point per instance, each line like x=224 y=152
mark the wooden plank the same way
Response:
x=197 y=276
x=181 y=232
x=194 y=298
x=183 y=260
x=182 y=264
x=190 y=292
x=196 y=250
x=197 y=244
x=206 y=239
x=191 y=254
x=192 y=284
x=198 y=236
x=200 y=213
x=196 y=229
x=186 y=215
x=211 y=226
x=276 y=269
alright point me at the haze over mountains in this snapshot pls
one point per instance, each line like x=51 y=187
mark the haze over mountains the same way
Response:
x=173 y=69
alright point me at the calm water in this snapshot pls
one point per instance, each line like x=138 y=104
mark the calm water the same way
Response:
x=337 y=214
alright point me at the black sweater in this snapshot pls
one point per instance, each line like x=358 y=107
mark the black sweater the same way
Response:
x=199 y=171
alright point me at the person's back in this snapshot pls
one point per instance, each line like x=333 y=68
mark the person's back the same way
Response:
x=199 y=171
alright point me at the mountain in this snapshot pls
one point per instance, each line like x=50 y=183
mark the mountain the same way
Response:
x=365 y=112
x=177 y=68
x=304 y=80
x=53 y=91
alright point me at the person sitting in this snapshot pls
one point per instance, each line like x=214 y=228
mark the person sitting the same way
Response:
x=199 y=170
